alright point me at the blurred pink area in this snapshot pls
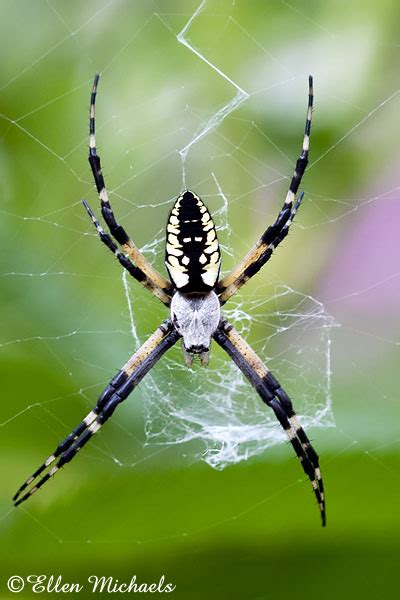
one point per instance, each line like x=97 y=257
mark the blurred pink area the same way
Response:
x=363 y=275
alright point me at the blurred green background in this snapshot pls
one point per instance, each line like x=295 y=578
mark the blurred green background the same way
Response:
x=128 y=507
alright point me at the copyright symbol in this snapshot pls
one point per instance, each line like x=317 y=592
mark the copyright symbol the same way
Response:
x=15 y=584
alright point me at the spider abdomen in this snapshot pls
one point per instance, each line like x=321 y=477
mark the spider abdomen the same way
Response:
x=192 y=254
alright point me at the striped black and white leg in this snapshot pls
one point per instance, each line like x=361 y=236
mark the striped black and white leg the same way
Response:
x=116 y=230
x=119 y=388
x=255 y=260
x=271 y=392
x=273 y=236
x=125 y=261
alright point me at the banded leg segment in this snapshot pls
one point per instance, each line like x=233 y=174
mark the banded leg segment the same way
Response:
x=271 y=392
x=273 y=236
x=116 y=230
x=126 y=262
x=119 y=388
x=259 y=254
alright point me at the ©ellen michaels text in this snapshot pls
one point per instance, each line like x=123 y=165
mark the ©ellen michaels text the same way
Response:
x=40 y=584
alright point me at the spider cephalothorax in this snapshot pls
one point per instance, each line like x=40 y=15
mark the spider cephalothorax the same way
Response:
x=194 y=295
x=196 y=318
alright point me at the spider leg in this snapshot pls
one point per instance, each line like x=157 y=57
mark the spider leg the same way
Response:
x=116 y=392
x=126 y=262
x=116 y=230
x=271 y=392
x=273 y=236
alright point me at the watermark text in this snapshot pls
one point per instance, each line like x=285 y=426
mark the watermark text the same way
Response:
x=40 y=584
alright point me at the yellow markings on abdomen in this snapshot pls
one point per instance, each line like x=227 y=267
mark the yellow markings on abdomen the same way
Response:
x=192 y=254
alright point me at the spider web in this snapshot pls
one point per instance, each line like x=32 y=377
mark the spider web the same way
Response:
x=191 y=115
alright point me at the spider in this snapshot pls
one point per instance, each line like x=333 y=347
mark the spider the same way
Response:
x=194 y=295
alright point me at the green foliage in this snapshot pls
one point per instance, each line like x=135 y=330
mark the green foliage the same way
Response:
x=124 y=508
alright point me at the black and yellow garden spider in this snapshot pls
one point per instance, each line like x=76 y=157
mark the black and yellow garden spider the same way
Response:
x=194 y=296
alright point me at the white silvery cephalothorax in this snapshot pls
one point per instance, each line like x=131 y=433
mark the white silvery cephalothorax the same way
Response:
x=196 y=318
